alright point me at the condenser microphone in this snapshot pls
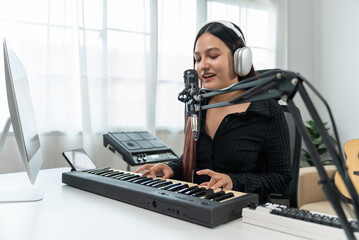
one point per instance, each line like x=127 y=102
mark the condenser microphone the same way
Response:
x=190 y=78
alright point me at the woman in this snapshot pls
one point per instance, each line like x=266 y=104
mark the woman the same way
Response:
x=244 y=147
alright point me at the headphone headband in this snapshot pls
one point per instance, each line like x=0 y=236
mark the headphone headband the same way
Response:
x=230 y=26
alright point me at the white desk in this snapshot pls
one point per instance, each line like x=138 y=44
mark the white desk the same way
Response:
x=68 y=213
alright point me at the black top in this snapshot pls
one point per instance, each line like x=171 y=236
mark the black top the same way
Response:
x=251 y=147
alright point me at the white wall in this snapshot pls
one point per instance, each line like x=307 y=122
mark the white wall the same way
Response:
x=300 y=37
x=337 y=63
x=301 y=57
x=323 y=45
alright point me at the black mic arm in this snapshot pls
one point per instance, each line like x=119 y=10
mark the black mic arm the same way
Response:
x=272 y=84
x=284 y=85
x=328 y=187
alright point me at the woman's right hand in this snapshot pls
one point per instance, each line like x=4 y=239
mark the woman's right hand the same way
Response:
x=159 y=169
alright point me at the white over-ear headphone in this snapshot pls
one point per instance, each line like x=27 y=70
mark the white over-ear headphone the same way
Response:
x=242 y=57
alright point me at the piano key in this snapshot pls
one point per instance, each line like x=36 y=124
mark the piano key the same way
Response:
x=187 y=189
x=223 y=197
x=101 y=172
x=213 y=195
x=117 y=174
x=208 y=192
x=112 y=174
x=178 y=187
x=198 y=189
x=106 y=174
x=151 y=184
x=120 y=176
x=150 y=180
x=162 y=184
x=141 y=180
x=205 y=193
x=125 y=175
x=171 y=185
x=94 y=171
x=135 y=179
x=129 y=177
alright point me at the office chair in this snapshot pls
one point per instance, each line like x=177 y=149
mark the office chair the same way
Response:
x=289 y=196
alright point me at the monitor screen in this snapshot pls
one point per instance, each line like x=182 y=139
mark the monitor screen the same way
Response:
x=21 y=113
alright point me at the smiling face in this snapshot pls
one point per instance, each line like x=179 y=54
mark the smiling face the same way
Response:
x=214 y=62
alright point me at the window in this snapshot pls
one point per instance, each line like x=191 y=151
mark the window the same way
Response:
x=257 y=20
x=111 y=65
x=176 y=32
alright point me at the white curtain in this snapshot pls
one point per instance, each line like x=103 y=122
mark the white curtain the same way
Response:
x=110 y=65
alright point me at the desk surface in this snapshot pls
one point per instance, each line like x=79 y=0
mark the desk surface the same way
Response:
x=69 y=213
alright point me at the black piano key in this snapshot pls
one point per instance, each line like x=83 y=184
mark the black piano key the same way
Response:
x=134 y=179
x=171 y=185
x=124 y=175
x=106 y=174
x=199 y=193
x=205 y=193
x=150 y=180
x=116 y=175
x=187 y=189
x=208 y=192
x=144 y=179
x=162 y=184
x=198 y=189
x=120 y=176
x=112 y=174
x=131 y=176
x=97 y=170
x=151 y=184
x=100 y=172
x=94 y=171
x=189 y=192
x=213 y=195
x=223 y=197
x=179 y=187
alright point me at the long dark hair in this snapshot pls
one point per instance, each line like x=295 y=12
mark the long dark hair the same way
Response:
x=228 y=36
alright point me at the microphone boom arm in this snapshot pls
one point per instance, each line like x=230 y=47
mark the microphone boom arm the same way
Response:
x=279 y=84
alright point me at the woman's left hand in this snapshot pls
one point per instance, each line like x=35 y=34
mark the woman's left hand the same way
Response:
x=218 y=180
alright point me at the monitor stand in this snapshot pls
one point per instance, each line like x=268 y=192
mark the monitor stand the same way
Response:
x=4 y=133
x=24 y=194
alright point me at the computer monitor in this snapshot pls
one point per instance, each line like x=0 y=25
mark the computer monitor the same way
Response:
x=23 y=123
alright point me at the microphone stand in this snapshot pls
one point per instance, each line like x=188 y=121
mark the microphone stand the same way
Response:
x=276 y=84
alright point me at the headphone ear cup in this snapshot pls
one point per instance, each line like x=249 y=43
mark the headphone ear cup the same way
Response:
x=242 y=61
